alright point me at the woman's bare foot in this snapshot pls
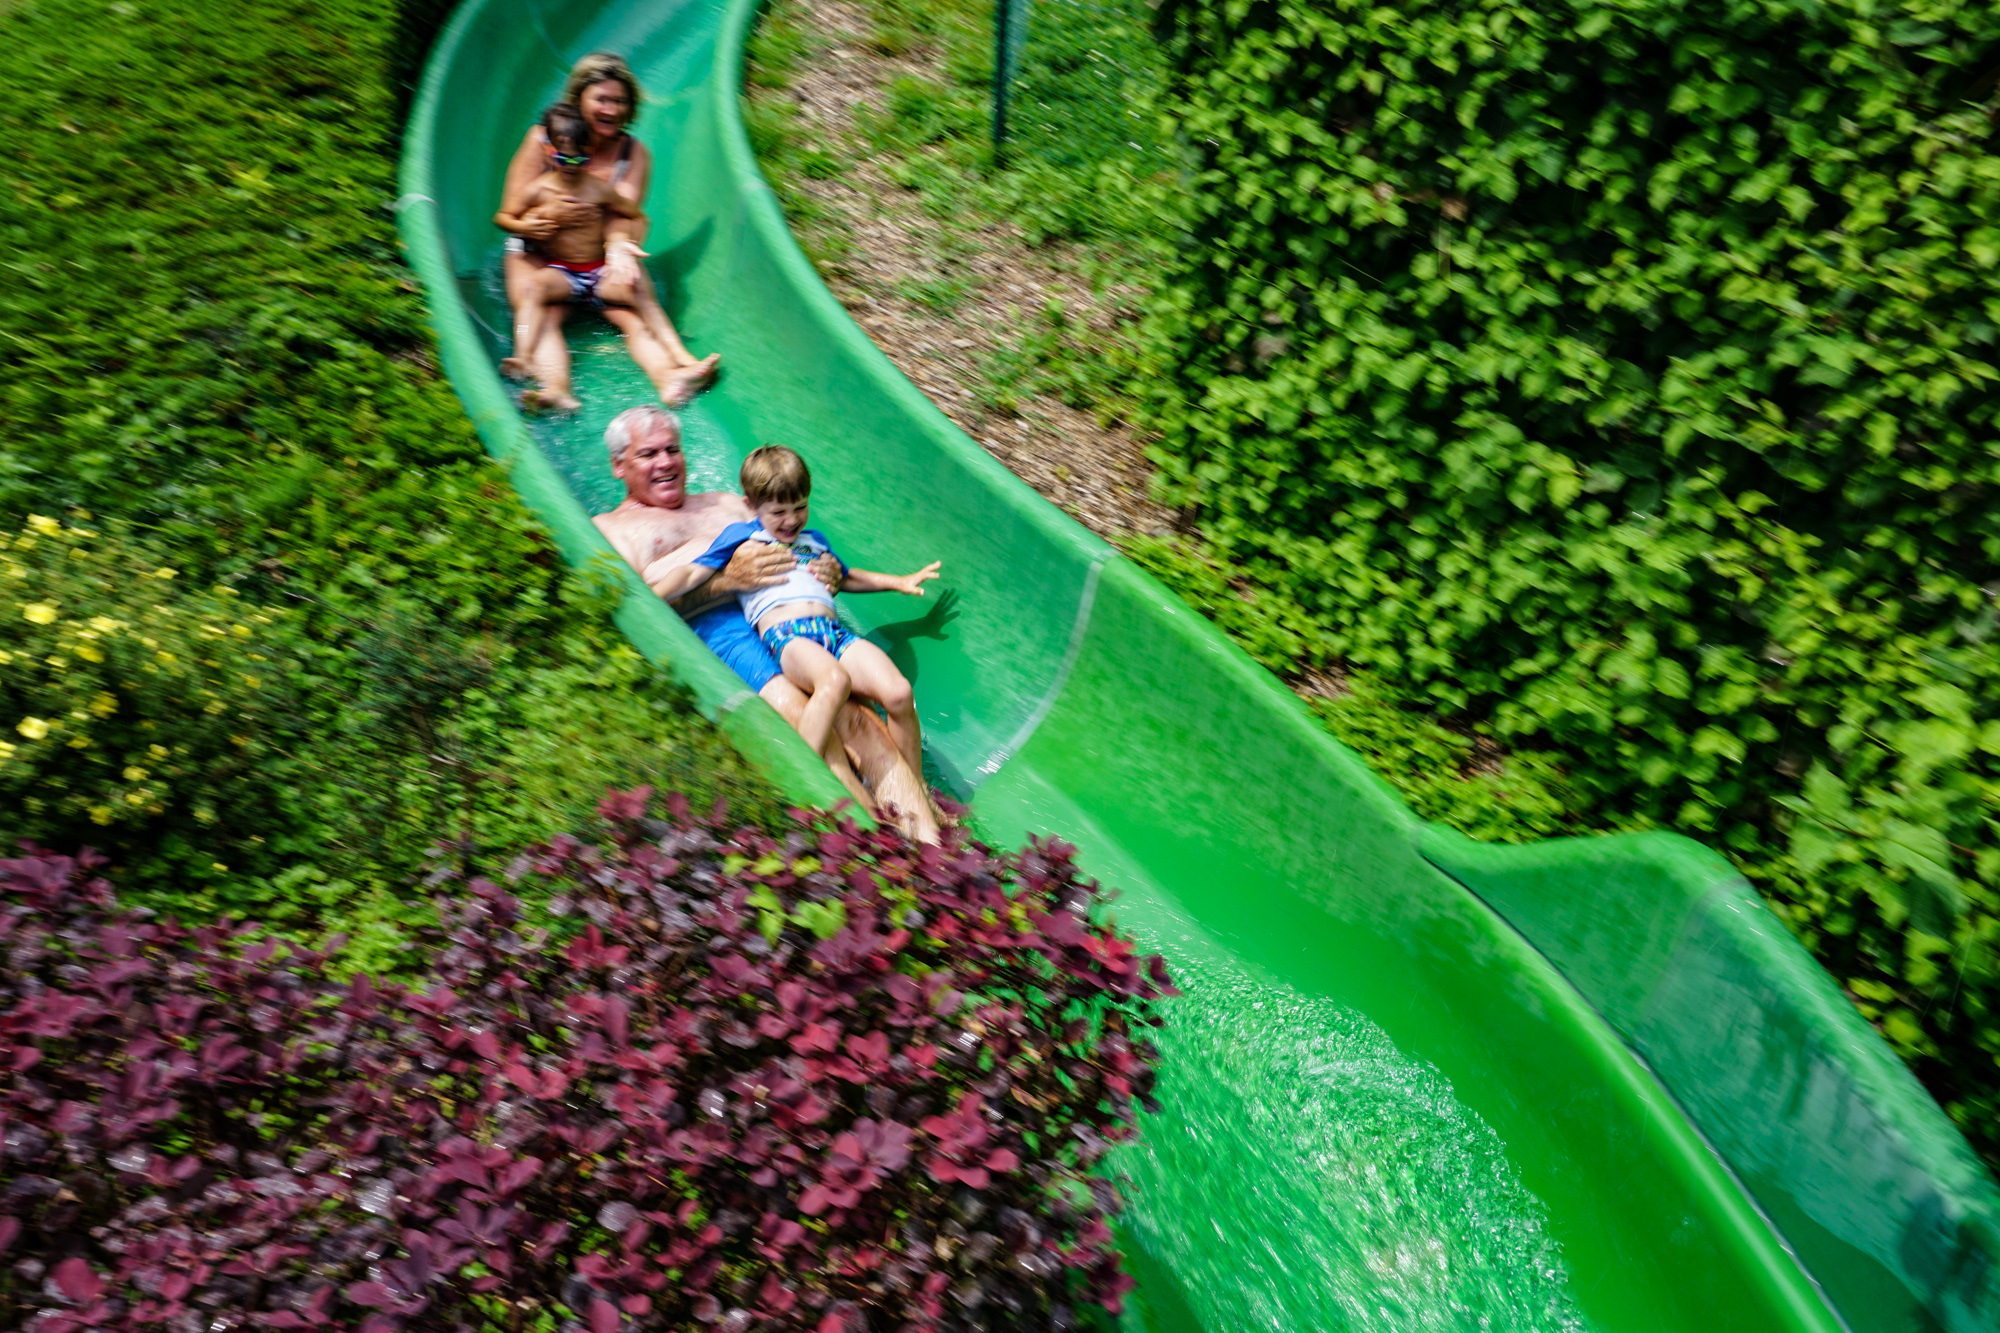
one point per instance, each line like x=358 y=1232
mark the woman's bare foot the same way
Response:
x=549 y=400
x=515 y=368
x=686 y=382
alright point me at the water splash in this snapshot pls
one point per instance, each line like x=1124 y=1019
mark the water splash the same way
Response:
x=1307 y=1175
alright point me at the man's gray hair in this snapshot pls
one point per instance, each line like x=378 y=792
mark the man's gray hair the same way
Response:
x=636 y=423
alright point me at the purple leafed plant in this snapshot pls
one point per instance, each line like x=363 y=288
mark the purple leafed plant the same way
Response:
x=835 y=1082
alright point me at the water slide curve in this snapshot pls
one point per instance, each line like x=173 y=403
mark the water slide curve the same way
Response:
x=1417 y=1082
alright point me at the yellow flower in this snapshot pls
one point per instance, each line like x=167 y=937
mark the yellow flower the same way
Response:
x=106 y=625
x=252 y=681
x=157 y=751
x=135 y=797
x=134 y=773
x=164 y=573
x=89 y=652
x=39 y=613
x=33 y=728
x=100 y=814
x=6 y=751
x=48 y=527
x=103 y=705
x=217 y=865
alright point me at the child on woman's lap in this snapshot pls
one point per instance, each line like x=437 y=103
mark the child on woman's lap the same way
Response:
x=796 y=618
x=575 y=273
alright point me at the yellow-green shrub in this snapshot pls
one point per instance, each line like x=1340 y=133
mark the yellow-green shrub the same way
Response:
x=129 y=701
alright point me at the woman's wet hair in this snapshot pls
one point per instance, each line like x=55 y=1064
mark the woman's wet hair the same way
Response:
x=636 y=423
x=775 y=475
x=563 y=123
x=596 y=68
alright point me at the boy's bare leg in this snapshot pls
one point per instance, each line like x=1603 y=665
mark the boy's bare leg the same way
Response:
x=521 y=271
x=791 y=703
x=530 y=318
x=551 y=348
x=816 y=671
x=874 y=676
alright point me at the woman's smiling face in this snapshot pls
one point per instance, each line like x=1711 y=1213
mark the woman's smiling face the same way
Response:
x=607 y=106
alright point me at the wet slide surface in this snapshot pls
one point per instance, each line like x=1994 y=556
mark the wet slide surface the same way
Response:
x=1385 y=1107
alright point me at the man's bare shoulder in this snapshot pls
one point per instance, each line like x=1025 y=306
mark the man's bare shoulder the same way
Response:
x=643 y=533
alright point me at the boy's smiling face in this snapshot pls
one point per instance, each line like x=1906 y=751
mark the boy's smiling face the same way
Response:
x=783 y=519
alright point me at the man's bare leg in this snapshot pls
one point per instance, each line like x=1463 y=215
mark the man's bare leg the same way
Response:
x=895 y=786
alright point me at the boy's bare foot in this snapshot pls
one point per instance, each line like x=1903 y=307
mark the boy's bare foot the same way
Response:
x=515 y=368
x=686 y=382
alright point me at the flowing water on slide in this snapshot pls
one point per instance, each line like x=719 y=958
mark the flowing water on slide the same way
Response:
x=1370 y=1201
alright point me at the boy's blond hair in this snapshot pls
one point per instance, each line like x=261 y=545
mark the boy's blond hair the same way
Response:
x=774 y=475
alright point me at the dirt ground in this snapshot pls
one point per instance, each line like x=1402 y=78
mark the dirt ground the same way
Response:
x=1097 y=474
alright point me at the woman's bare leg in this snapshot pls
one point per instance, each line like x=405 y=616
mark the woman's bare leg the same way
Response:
x=675 y=382
x=646 y=301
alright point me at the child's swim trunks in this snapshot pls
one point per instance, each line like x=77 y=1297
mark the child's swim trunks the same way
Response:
x=825 y=631
x=583 y=280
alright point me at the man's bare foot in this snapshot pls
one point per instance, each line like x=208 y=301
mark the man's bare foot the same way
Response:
x=686 y=382
x=515 y=368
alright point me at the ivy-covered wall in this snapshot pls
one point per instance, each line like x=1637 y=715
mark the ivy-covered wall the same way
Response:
x=1617 y=379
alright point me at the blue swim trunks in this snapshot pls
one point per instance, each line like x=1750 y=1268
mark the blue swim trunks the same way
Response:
x=583 y=280
x=825 y=631
x=733 y=639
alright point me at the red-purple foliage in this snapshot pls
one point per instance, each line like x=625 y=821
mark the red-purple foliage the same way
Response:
x=836 y=1083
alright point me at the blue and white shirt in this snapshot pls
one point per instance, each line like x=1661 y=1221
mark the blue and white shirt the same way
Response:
x=799 y=585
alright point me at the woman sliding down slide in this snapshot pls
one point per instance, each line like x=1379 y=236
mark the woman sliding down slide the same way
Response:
x=603 y=90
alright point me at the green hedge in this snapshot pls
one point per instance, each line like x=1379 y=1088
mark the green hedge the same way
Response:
x=213 y=353
x=1617 y=379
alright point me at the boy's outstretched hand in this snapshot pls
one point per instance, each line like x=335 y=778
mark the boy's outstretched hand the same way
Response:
x=867 y=580
x=913 y=584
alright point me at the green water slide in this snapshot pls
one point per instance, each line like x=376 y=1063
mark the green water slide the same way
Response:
x=1416 y=1082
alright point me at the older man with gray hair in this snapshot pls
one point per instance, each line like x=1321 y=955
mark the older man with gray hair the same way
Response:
x=659 y=526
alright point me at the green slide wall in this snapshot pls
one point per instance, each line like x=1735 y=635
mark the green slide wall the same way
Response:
x=1719 y=1140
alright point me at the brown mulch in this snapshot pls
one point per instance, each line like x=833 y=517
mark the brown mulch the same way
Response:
x=1097 y=474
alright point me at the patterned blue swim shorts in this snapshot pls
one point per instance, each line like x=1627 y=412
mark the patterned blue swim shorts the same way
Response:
x=825 y=631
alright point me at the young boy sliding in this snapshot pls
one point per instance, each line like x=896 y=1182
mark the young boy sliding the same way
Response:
x=575 y=257
x=795 y=618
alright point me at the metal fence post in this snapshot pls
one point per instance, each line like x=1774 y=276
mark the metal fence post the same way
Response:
x=1010 y=33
